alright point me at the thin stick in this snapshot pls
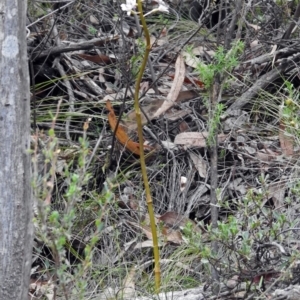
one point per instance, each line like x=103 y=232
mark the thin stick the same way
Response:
x=142 y=154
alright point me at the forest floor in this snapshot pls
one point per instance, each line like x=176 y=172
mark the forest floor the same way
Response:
x=93 y=239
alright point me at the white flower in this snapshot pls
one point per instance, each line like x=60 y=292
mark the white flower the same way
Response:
x=162 y=6
x=164 y=9
x=129 y=6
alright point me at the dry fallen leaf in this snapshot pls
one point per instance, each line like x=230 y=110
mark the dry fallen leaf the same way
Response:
x=191 y=60
x=121 y=135
x=237 y=185
x=153 y=105
x=265 y=157
x=276 y=191
x=176 y=87
x=195 y=139
x=286 y=141
x=173 y=236
x=176 y=114
x=174 y=219
x=168 y=234
x=199 y=163
x=200 y=50
x=195 y=81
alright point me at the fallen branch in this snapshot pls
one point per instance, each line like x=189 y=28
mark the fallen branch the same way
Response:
x=91 y=44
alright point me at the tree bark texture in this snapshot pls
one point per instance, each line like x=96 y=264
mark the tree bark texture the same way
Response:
x=16 y=231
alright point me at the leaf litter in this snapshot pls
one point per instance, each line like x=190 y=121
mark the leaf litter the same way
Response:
x=253 y=145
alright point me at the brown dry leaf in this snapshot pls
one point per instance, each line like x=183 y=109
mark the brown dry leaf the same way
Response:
x=286 y=141
x=147 y=231
x=121 y=135
x=175 y=114
x=276 y=191
x=199 y=163
x=153 y=106
x=168 y=234
x=176 y=86
x=173 y=236
x=265 y=157
x=195 y=139
x=174 y=219
x=183 y=126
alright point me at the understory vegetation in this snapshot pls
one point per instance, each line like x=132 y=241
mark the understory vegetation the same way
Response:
x=219 y=101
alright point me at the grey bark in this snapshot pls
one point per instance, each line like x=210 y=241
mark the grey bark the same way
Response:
x=16 y=231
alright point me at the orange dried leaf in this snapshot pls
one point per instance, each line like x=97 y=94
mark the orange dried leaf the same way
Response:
x=121 y=134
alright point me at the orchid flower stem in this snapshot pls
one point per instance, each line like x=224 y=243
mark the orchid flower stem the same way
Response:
x=142 y=154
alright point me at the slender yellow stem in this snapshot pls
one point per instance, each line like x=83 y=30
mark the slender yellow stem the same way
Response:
x=142 y=154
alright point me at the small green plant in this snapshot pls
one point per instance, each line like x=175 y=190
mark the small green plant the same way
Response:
x=54 y=220
x=92 y=30
x=222 y=64
x=136 y=59
x=215 y=123
x=289 y=112
x=239 y=237
x=214 y=75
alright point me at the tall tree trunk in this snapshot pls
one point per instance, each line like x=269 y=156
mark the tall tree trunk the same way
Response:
x=16 y=231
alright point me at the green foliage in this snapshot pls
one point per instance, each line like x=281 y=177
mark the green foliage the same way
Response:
x=238 y=235
x=92 y=30
x=223 y=62
x=214 y=123
x=56 y=224
x=289 y=111
x=137 y=59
